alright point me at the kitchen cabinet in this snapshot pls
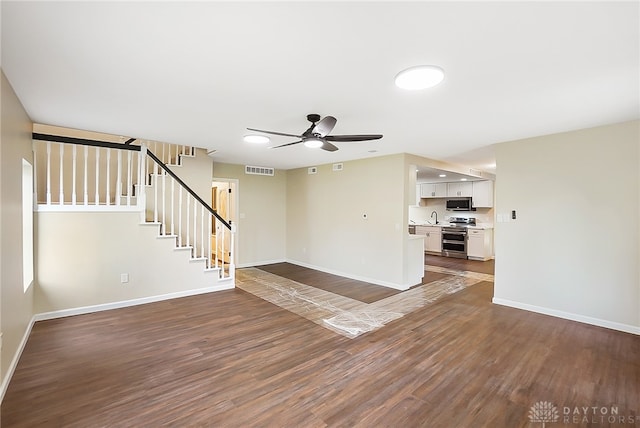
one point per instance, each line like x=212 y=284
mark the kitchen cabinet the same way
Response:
x=480 y=244
x=460 y=189
x=433 y=190
x=433 y=238
x=482 y=194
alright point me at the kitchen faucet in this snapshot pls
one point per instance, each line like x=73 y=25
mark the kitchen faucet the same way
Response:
x=432 y=213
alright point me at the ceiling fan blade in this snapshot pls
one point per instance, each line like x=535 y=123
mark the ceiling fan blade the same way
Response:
x=275 y=133
x=325 y=126
x=328 y=146
x=284 y=145
x=347 y=138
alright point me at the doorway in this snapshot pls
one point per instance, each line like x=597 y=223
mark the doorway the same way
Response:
x=224 y=200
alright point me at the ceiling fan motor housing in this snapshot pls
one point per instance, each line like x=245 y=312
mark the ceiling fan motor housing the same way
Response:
x=313 y=118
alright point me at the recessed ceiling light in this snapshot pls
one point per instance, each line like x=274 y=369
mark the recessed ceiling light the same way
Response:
x=463 y=179
x=442 y=175
x=256 y=139
x=420 y=77
x=313 y=143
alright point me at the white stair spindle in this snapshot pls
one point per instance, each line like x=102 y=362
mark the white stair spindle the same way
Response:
x=73 y=173
x=142 y=181
x=209 y=254
x=180 y=216
x=163 y=158
x=188 y=234
x=215 y=243
x=155 y=198
x=195 y=227
x=232 y=263
x=119 y=178
x=108 y=195
x=48 y=173
x=129 y=178
x=222 y=250
x=173 y=227
x=97 y=196
x=86 y=172
x=164 y=204
x=202 y=229
x=61 y=171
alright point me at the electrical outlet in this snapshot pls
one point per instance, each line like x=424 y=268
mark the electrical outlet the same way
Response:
x=124 y=278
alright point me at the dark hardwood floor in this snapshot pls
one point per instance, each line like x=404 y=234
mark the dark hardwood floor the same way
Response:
x=354 y=289
x=230 y=359
x=365 y=291
x=460 y=264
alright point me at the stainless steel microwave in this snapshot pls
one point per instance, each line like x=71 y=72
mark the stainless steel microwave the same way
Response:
x=460 y=204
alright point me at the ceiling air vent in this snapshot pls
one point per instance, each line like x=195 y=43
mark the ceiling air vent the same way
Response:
x=473 y=171
x=258 y=170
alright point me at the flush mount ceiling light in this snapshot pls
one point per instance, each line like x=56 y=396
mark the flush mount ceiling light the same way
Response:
x=420 y=77
x=256 y=139
x=313 y=143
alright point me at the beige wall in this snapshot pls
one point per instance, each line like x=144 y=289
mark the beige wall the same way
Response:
x=573 y=250
x=262 y=215
x=325 y=225
x=16 y=306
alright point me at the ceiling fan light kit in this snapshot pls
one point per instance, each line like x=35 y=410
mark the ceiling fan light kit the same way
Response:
x=317 y=136
x=419 y=77
x=313 y=143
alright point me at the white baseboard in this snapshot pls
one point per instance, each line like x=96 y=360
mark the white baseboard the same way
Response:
x=260 y=263
x=569 y=316
x=401 y=287
x=16 y=358
x=126 y=303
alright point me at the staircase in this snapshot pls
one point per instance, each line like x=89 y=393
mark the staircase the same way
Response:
x=87 y=175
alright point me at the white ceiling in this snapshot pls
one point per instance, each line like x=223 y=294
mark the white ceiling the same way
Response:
x=200 y=73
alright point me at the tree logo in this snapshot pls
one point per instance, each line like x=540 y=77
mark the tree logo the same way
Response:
x=543 y=411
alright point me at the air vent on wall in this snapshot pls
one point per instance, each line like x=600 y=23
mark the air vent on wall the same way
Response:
x=258 y=170
x=312 y=170
x=475 y=172
x=338 y=166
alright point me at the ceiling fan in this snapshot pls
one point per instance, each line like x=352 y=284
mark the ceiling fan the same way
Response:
x=317 y=134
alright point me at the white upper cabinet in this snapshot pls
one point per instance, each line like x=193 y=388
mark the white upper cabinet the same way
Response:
x=460 y=189
x=482 y=194
x=433 y=190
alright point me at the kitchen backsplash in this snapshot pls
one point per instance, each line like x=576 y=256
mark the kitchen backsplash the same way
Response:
x=422 y=214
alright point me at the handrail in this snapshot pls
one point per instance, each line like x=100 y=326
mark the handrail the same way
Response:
x=187 y=188
x=130 y=147
x=83 y=142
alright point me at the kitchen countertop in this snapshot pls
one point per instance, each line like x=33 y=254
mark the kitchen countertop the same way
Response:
x=481 y=226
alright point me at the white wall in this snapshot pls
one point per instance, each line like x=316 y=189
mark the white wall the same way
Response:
x=325 y=225
x=16 y=305
x=82 y=255
x=262 y=215
x=573 y=250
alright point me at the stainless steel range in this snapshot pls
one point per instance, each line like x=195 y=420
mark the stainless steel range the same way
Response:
x=454 y=237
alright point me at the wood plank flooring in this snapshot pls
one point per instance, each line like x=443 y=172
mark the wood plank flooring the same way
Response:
x=231 y=359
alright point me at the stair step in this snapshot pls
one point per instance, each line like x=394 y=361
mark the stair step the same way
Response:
x=167 y=236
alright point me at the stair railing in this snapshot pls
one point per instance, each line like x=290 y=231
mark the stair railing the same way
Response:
x=121 y=173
